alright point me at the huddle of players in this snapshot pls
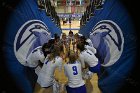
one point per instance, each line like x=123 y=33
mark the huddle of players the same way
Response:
x=45 y=59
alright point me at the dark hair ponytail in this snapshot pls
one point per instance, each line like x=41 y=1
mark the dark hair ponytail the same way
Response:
x=81 y=46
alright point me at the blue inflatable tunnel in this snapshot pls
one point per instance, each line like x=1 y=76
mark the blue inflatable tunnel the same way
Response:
x=113 y=35
x=111 y=31
x=27 y=28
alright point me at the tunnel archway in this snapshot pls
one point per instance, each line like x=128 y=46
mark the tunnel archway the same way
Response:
x=26 y=11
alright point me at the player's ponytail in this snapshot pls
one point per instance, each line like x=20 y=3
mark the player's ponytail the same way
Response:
x=46 y=49
x=72 y=57
x=81 y=46
x=54 y=53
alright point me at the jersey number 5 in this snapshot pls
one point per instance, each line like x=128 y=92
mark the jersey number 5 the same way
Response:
x=75 y=72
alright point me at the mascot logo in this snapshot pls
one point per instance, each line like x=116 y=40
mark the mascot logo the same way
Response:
x=31 y=35
x=108 y=39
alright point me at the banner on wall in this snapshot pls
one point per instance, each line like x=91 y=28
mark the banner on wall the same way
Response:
x=67 y=15
x=113 y=35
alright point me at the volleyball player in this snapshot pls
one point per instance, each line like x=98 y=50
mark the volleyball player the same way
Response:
x=71 y=39
x=86 y=41
x=37 y=56
x=73 y=71
x=88 y=57
x=76 y=40
x=65 y=42
x=71 y=36
x=46 y=76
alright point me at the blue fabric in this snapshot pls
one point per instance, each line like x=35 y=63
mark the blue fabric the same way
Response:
x=114 y=76
x=96 y=69
x=25 y=15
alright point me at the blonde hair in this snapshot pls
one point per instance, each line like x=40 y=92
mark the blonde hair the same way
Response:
x=55 y=52
x=72 y=57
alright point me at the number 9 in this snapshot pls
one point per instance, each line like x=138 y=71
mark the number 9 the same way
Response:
x=75 y=72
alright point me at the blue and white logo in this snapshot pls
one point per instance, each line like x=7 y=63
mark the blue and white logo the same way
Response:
x=31 y=35
x=108 y=39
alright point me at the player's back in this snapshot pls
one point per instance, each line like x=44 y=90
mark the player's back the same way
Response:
x=74 y=74
x=46 y=75
x=89 y=57
x=50 y=66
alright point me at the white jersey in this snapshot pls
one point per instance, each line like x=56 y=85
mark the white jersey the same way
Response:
x=35 y=56
x=74 y=74
x=88 y=57
x=65 y=41
x=46 y=75
x=91 y=48
x=89 y=42
x=71 y=37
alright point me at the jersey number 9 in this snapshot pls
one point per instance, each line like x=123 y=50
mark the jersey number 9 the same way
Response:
x=75 y=72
